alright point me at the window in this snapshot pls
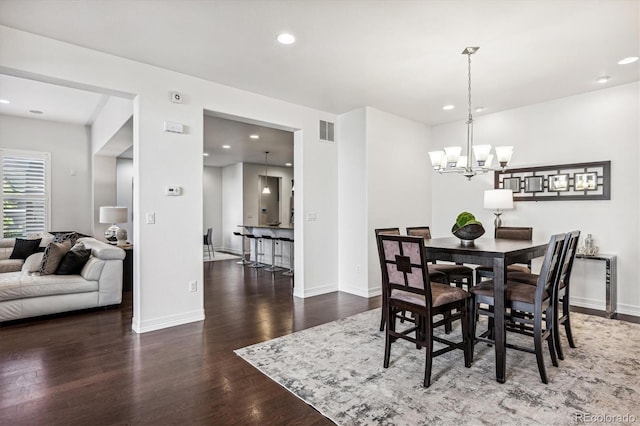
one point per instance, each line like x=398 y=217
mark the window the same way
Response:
x=25 y=192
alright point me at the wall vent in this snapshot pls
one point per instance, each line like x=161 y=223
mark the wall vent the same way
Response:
x=327 y=132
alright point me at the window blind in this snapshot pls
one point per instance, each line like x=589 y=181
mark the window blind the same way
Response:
x=24 y=193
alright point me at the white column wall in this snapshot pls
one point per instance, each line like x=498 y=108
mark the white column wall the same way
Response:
x=232 y=200
x=596 y=126
x=383 y=183
x=212 y=199
x=352 y=196
x=169 y=253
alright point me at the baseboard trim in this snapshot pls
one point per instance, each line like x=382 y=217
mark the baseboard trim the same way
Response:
x=166 y=322
x=600 y=313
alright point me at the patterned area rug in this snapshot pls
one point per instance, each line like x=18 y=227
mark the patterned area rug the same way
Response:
x=337 y=369
x=218 y=255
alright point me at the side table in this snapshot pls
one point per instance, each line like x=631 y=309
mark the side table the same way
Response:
x=611 y=280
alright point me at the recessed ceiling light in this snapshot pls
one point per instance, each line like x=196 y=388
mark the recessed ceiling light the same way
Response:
x=226 y=146
x=480 y=109
x=288 y=164
x=35 y=111
x=254 y=137
x=628 y=60
x=286 y=38
x=603 y=79
x=206 y=154
x=4 y=101
x=448 y=107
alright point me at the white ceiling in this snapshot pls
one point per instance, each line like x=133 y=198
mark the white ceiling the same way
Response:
x=403 y=56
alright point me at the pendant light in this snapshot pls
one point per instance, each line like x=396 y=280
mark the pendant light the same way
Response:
x=266 y=189
x=450 y=159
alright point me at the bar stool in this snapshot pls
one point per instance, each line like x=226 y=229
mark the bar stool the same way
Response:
x=244 y=260
x=273 y=266
x=290 y=241
x=255 y=239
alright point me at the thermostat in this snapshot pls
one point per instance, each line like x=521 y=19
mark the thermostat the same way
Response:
x=173 y=190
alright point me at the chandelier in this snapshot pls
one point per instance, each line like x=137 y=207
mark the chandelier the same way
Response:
x=450 y=159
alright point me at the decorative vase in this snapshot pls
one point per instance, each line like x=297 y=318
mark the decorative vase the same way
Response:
x=468 y=233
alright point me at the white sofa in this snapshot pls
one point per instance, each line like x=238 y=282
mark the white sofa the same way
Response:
x=25 y=294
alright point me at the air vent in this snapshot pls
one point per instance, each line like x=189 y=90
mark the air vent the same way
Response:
x=327 y=131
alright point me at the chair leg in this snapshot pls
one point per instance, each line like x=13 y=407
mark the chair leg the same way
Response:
x=473 y=319
x=537 y=338
x=556 y=333
x=387 y=339
x=567 y=320
x=552 y=338
x=447 y=324
x=466 y=335
x=382 y=316
x=428 y=343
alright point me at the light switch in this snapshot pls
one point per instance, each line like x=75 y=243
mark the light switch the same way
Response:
x=151 y=218
x=311 y=217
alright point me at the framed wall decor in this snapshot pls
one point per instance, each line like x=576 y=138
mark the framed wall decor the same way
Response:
x=559 y=182
x=579 y=181
x=533 y=184
x=585 y=181
x=512 y=184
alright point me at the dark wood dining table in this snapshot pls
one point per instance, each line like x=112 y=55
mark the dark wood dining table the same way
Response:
x=497 y=253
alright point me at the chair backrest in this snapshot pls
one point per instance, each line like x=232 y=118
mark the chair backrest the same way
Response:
x=550 y=266
x=387 y=231
x=210 y=236
x=514 y=233
x=420 y=231
x=403 y=264
x=568 y=254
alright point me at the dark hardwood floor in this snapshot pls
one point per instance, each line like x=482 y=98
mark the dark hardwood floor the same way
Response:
x=89 y=368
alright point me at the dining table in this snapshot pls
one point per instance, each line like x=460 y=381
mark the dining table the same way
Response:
x=497 y=253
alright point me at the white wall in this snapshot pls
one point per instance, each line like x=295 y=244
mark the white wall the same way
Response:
x=232 y=213
x=383 y=178
x=212 y=200
x=70 y=166
x=596 y=126
x=161 y=276
x=110 y=121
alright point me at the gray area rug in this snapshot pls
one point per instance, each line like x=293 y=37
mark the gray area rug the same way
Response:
x=337 y=369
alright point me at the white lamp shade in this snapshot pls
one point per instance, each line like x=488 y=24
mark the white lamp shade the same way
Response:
x=498 y=199
x=453 y=154
x=111 y=214
x=437 y=158
x=481 y=152
x=503 y=154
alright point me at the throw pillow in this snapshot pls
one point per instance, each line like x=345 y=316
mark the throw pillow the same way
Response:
x=52 y=256
x=74 y=260
x=24 y=248
x=33 y=262
x=71 y=236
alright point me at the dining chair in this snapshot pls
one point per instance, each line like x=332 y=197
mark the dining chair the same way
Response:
x=408 y=287
x=508 y=233
x=436 y=276
x=529 y=308
x=561 y=296
x=208 y=241
x=457 y=273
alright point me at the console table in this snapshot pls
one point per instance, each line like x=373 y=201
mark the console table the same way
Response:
x=611 y=280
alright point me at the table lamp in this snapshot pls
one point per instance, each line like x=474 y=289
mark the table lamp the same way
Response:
x=114 y=215
x=498 y=200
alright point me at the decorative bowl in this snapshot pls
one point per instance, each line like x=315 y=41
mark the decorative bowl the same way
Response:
x=468 y=233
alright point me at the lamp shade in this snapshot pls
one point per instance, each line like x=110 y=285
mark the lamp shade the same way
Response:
x=498 y=199
x=111 y=214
